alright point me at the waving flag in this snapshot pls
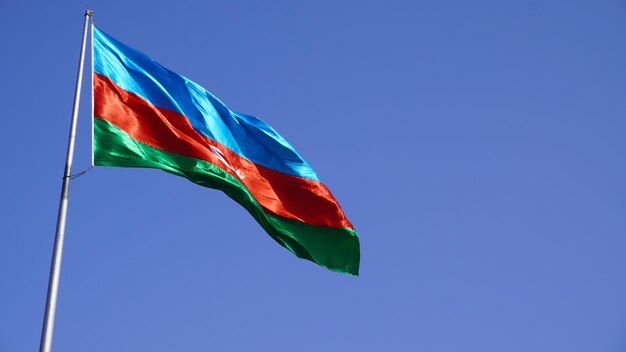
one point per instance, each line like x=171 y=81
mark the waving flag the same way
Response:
x=148 y=116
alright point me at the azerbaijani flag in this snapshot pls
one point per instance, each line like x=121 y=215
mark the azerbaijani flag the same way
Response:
x=148 y=116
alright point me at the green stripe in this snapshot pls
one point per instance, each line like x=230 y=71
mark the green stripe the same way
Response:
x=334 y=248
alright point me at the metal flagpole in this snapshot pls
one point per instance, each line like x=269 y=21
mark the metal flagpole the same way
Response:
x=55 y=267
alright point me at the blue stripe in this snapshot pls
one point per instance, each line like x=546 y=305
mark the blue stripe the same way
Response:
x=246 y=135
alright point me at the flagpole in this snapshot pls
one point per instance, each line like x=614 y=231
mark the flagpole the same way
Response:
x=55 y=267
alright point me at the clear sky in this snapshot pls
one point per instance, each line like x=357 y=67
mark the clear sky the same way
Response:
x=477 y=146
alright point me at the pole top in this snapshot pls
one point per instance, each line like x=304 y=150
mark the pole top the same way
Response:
x=89 y=13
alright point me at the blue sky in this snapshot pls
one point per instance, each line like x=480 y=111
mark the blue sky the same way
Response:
x=476 y=146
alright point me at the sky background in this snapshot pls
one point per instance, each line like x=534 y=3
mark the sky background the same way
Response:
x=477 y=146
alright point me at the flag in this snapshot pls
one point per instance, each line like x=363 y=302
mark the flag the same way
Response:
x=148 y=116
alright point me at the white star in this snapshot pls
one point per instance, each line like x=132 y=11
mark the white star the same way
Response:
x=218 y=154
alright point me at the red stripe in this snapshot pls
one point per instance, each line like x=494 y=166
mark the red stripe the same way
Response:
x=285 y=195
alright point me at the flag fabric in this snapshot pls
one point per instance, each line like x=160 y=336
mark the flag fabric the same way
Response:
x=148 y=116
